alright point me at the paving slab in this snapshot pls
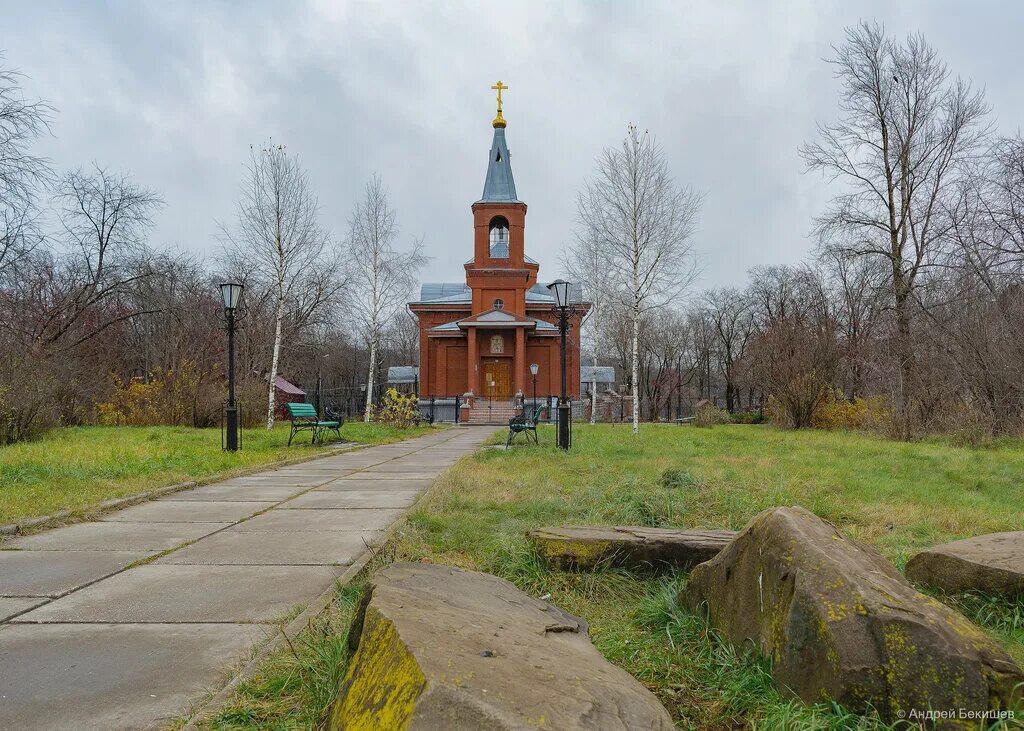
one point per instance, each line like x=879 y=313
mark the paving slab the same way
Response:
x=51 y=573
x=188 y=511
x=417 y=474
x=161 y=593
x=404 y=467
x=73 y=677
x=274 y=548
x=240 y=493
x=102 y=536
x=9 y=607
x=134 y=648
x=353 y=499
x=376 y=483
x=320 y=520
x=275 y=481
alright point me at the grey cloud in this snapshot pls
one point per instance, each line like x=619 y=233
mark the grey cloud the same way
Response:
x=176 y=92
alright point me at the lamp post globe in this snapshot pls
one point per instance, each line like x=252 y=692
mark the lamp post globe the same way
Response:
x=560 y=290
x=534 y=369
x=231 y=294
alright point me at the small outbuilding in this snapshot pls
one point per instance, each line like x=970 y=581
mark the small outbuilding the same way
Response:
x=286 y=392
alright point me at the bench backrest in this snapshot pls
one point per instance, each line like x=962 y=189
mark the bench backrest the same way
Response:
x=302 y=411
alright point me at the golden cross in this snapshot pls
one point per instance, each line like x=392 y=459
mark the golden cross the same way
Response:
x=499 y=87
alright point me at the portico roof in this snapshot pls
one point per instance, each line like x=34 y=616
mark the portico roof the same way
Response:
x=450 y=293
x=495 y=320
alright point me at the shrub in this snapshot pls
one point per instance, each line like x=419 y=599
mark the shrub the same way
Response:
x=838 y=412
x=398 y=410
x=182 y=397
x=708 y=415
x=746 y=417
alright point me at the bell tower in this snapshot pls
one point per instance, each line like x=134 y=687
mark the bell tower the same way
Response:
x=499 y=270
x=494 y=336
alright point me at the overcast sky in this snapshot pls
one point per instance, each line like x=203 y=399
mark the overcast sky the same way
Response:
x=174 y=93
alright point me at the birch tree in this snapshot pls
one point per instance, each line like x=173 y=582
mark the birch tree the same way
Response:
x=383 y=276
x=642 y=224
x=906 y=131
x=279 y=237
x=585 y=264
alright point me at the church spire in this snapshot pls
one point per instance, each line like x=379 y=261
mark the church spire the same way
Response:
x=499 y=185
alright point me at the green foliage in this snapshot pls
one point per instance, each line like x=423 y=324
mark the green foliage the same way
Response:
x=747 y=417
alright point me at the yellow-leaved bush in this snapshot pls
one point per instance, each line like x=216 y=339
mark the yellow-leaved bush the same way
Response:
x=400 y=410
x=839 y=412
x=181 y=397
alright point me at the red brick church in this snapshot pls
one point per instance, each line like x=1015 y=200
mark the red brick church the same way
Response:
x=479 y=338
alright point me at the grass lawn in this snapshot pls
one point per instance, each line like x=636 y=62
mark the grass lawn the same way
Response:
x=899 y=497
x=79 y=467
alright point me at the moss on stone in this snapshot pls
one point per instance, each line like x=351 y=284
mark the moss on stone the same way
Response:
x=383 y=681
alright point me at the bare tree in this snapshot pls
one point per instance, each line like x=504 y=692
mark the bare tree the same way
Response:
x=730 y=313
x=642 y=224
x=106 y=219
x=905 y=131
x=383 y=276
x=280 y=239
x=22 y=175
x=585 y=263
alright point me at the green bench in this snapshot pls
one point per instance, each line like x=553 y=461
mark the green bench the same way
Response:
x=305 y=418
x=524 y=424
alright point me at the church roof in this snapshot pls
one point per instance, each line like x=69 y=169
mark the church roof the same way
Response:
x=445 y=292
x=597 y=374
x=497 y=318
x=438 y=293
x=403 y=374
x=499 y=186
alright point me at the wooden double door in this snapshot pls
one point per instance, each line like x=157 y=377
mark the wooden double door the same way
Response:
x=497 y=381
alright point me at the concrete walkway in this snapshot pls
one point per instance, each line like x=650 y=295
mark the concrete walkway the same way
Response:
x=87 y=644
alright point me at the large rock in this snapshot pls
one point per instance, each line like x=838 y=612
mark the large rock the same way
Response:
x=841 y=624
x=993 y=564
x=584 y=547
x=441 y=648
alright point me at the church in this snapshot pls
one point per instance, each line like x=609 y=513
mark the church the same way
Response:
x=479 y=338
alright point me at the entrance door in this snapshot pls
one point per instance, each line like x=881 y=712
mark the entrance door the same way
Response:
x=498 y=378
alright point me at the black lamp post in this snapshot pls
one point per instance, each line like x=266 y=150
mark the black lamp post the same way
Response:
x=231 y=292
x=560 y=288
x=533 y=371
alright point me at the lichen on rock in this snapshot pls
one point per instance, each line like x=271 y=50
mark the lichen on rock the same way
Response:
x=441 y=648
x=586 y=547
x=840 y=623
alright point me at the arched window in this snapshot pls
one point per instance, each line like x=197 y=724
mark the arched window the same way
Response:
x=499 y=238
